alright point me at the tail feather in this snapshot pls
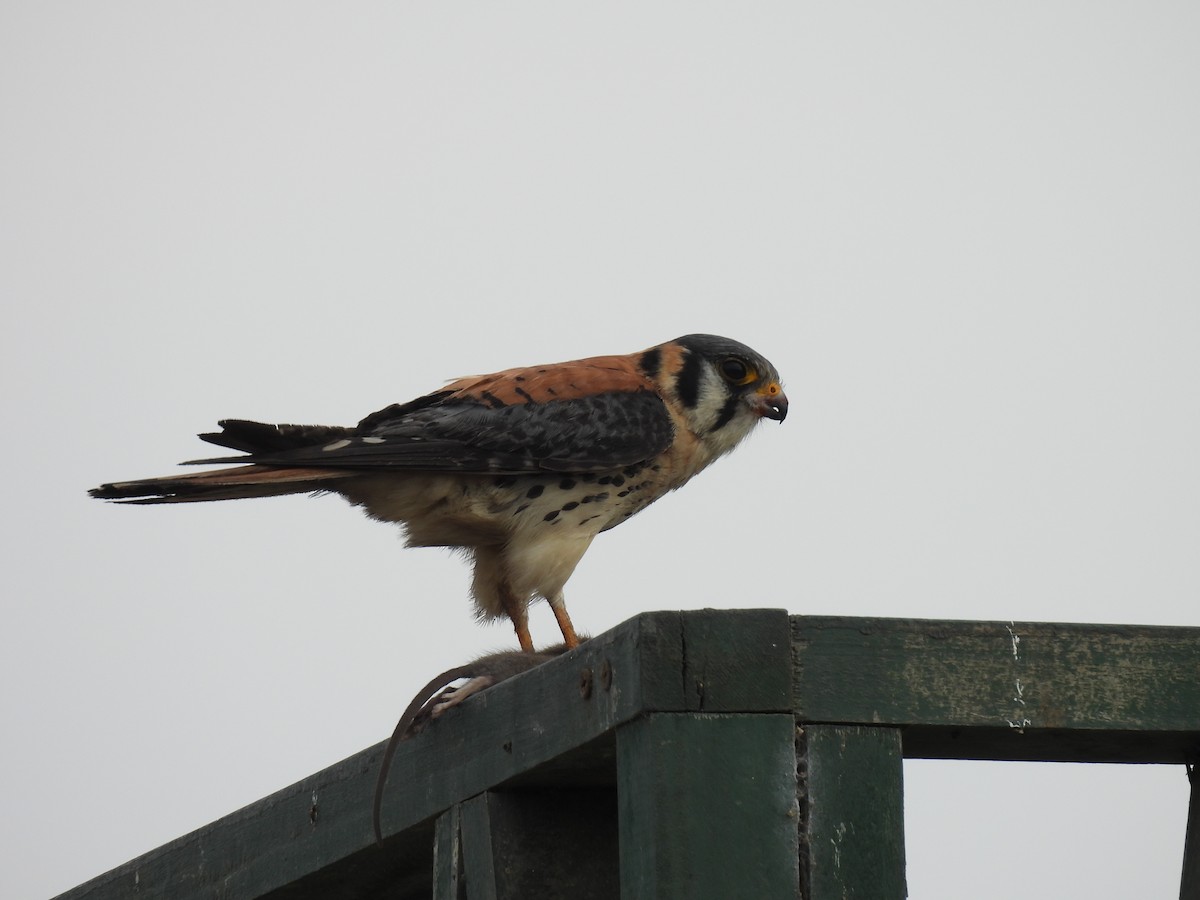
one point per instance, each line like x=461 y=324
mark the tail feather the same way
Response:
x=220 y=484
x=260 y=437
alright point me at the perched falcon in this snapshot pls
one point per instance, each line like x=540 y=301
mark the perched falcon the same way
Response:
x=520 y=469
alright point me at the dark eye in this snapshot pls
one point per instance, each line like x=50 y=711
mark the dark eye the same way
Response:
x=736 y=371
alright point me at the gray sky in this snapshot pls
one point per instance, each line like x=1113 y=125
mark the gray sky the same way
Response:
x=965 y=233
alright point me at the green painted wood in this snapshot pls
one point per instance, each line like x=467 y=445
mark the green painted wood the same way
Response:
x=852 y=813
x=479 y=865
x=611 y=679
x=737 y=660
x=559 y=842
x=707 y=807
x=955 y=689
x=283 y=847
x=537 y=728
x=1189 y=884
x=996 y=690
x=448 y=882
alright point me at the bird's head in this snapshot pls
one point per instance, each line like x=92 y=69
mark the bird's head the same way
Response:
x=723 y=388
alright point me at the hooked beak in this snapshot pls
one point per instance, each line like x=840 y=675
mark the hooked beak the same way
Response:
x=771 y=402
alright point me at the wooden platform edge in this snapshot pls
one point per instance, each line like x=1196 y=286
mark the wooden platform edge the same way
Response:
x=545 y=719
x=1006 y=690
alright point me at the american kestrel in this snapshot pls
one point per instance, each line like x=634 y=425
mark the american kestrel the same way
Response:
x=520 y=469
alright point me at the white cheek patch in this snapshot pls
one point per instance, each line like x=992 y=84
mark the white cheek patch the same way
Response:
x=710 y=408
x=711 y=400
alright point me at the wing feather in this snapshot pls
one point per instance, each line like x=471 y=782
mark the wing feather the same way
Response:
x=584 y=416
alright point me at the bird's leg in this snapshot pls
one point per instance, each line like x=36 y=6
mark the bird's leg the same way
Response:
x=517 y=610
x=558 y=603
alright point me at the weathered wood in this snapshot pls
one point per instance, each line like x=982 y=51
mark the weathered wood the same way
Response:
x=995 y=690
x=737 y=661
x=448 y=880
x=852 y=813
x=707 y=807
x=541 y=843
x=478 y=862
x=539 y=728
x=952 y=689
x=1189 y=884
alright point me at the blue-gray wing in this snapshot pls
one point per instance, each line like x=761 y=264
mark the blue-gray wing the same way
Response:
x=566 y=418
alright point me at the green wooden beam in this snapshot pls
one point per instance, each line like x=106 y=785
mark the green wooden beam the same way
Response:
x=449 y=882
x=997 y=690
x=982 y=690
x=558 y=842
x=852 y=813
x=314 y=839
x=655 y=662
x=707 y=807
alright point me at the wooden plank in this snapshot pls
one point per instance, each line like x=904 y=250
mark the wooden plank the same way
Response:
x=539 y=727
x=955 y=689
x=479 y=864
x=737 y=661
x=997 y=690
x=448 y=881
x=1189 y=884
x=634 y=669
x=707 y=807
x=323 y=822
x=541 y=843
x=852 y=813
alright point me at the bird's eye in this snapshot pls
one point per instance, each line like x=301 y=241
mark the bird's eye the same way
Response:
x=736 y=371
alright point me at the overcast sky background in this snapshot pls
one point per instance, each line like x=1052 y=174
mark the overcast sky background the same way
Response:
x=967 y=234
